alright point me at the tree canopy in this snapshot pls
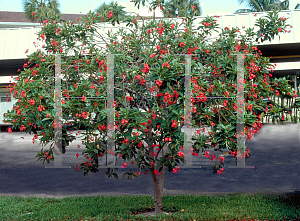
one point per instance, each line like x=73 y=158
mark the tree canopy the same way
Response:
x=39 y=10
x=181 y=8
x=117 y=10
x=265 y=5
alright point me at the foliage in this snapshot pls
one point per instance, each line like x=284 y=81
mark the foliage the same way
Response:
x=267 y=26
x=40 y=9
x=265 y=5
x=180 y=8
x=118 y=11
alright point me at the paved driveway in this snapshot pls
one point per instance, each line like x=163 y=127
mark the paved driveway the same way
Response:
x=275 y=155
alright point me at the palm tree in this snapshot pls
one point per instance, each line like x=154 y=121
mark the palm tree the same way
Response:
x=181 y=8
x=40 y=9
x=265 y=5
x=285 y=5
x=118 y=10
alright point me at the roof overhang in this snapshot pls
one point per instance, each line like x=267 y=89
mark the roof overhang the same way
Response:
x=8 y=25
x=283 y=52
x=282 y=73
x=11 y=66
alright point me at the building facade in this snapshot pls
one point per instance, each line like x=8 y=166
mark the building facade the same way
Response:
x=18 y=37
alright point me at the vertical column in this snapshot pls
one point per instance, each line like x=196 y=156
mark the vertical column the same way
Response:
x=241 y=148
x=187 y=112
x=58 y=115
x=240 y=110
x=110 y=108
x=295 y=83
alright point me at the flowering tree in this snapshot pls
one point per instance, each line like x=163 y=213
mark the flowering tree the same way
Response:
x=149 y=81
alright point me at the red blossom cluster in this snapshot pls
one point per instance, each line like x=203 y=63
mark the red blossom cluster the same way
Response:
x=110 y=14
x=146 y=68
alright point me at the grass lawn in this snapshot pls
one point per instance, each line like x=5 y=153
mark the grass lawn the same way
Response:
x=182 y=207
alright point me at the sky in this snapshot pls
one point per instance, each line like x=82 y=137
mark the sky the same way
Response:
x=209 y=7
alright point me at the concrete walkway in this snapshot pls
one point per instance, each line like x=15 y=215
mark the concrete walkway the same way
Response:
x=275 y=155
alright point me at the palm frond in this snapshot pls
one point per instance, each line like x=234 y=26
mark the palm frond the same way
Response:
x=241 y=1
x=256 y=5
x=297 y=6
x=285 y=5
x=243 y=11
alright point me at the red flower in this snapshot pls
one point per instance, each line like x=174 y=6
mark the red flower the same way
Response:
x=31 y=102
x=276 y=92
x=77 y=155
x=156 y=172
x=176 y=169
x=174 y=123
x=124 y=121
x=166 y=64
x=146 y=68
x=212 y=157
x=124 y=165
x=9 y=130
x=172 y=26
x=152 y=55
x=76 y=168
x=110 y=14
x=221 y=159
x=158 y=82
x=33 y=13
x=180 y=154
x=168 y=139
x=23 y=128
x=206 y=154
x=225 y=103
x=153 y=116
x=182 y=44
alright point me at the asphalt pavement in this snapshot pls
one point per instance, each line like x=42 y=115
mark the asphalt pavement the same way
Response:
x=274 y=153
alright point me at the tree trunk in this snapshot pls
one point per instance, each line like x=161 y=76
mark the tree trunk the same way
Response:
x=157 y=193
x=158 y=182
x=158 y=185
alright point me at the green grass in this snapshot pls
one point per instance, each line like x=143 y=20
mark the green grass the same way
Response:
x=182 y=207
